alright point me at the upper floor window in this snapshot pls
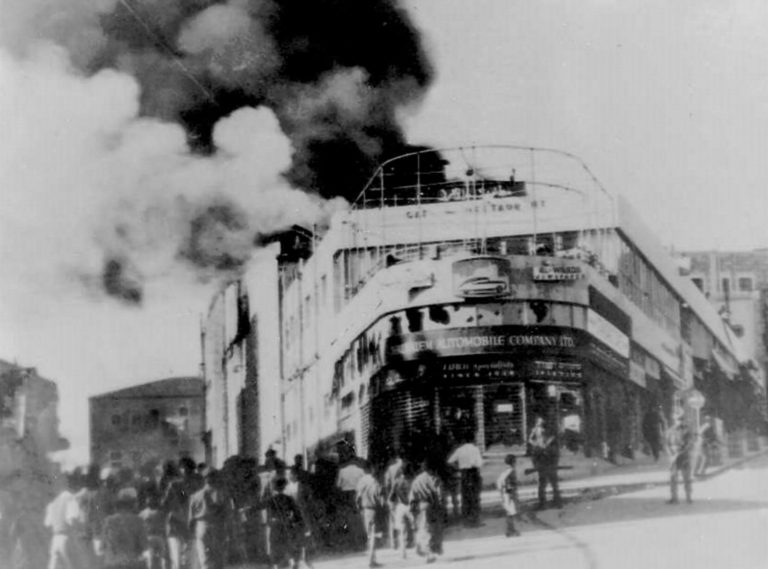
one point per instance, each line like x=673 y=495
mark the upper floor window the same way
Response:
x=117 y=420
x=699 y=282
x=745 y=284
x=183 y=411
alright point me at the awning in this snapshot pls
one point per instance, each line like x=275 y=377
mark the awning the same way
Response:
x=725 y=366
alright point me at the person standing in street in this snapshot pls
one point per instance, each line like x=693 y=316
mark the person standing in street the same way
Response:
x=346 y=481
x=468 y=459
x=209 y=517
x=507 y=486
x=69 y=550
x=426 y=501
x=545 y=456
x=654 y=430
x=707 y=443
x=287 y=527
x=680 y=442
x=401 y=519
x=370 y=503
x=124 y=536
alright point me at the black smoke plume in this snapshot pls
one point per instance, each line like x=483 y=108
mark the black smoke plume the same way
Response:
x=335 y=72
x=121 y=281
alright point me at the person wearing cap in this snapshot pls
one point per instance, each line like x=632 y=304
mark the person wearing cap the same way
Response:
x=123 y=534
x=210 y=511
x=680 y=444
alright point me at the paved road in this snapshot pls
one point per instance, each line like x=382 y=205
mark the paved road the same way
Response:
x=726 y=527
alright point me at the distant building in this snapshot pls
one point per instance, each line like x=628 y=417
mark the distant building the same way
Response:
x=736 y=283
x=230 y=369
x=153 y=421
x=29 y=420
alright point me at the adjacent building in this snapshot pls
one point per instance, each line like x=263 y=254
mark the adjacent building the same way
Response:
x=29 y=420
x=736 y=283
x=230 y=369
x=151 y=422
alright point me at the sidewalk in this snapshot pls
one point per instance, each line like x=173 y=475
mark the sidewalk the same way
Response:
x=608 y=479
x=578 y=485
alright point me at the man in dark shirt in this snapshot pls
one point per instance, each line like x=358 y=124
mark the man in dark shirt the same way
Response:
x=680 y=441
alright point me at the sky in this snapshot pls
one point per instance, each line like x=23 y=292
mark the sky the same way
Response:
x=666 y=102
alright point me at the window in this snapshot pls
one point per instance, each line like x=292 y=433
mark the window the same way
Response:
x=699 y=282
x=115 y=455
x=116 y=420
x=745 y=284
x=183 y=411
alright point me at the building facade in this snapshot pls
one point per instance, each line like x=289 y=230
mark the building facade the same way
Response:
x=29 y=420
x=736 y=283
x=466 y=293
x=230 y=370
x=152 y=422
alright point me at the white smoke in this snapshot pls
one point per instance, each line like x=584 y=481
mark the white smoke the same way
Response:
x=84 y=176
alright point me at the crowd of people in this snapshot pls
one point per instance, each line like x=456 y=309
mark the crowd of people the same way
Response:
x=183 y=515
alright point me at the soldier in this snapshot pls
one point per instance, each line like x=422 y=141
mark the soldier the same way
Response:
x=680 y=442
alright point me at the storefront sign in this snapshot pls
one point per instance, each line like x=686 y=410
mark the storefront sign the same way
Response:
x=607 y=333
x=481 y=340
x=464 y=369
x=481 y=277
x=549 y=272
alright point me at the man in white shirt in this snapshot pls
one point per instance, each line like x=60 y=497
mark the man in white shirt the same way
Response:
x=468 y=459
x=66 y=521
x=346 y=481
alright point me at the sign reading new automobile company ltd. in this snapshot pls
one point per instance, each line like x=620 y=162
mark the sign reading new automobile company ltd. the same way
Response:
x=481 y=340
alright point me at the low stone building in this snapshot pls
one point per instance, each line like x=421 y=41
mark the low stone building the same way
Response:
x=151 y=422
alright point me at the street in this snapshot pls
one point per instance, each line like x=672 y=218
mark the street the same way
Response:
x=725 y=527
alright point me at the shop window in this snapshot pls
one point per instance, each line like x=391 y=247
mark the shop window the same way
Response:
x=504 y=416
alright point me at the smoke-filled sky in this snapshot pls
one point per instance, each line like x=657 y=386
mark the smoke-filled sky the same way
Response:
x=148 y=144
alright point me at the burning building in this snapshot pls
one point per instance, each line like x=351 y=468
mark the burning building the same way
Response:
x=465 y=293
x=152 y=422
